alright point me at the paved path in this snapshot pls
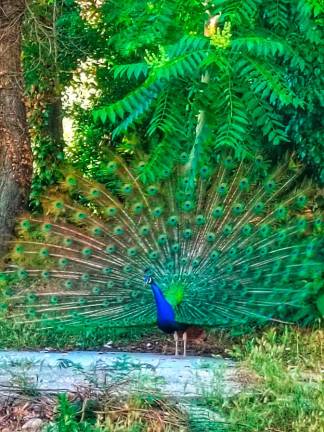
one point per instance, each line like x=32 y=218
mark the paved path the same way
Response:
x=179 y=377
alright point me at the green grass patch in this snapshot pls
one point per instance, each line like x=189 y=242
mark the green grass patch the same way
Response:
x=285 y=392
x=18 y=336
x=136 y=414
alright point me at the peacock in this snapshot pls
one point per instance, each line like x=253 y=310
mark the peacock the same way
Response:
x=230 y=247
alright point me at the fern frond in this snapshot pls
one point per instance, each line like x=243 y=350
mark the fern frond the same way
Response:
x=310 y=7
x=267 y=81
x=167 y=117
x=263 y=117
x=188 y=44
x=135 y=103
x=278 y=13
x=158 y=120
x=233 y=127
x=217 y=59
x=308 y=12
x=238 y=12
x=135 y=115
x=184 y=58
x=133 y=70
x=261 y=46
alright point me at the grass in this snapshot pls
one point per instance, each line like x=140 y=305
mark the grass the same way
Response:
x=280 y=370
x=15 y=336
x=108 y=413
x=287 y=393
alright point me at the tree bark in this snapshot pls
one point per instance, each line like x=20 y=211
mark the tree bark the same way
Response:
x=15 y=151
x=55 y=120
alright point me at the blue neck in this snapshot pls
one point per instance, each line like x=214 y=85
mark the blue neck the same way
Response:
x=165 y=312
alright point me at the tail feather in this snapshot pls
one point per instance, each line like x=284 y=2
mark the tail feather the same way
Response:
x=243 y=244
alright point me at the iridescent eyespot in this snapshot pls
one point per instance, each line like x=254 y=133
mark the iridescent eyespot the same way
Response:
x=173 y=220
x=183 y=158
x=119 y=230
x=188 y=205
x=95 y=193
x=127 y=188
x=200 y=219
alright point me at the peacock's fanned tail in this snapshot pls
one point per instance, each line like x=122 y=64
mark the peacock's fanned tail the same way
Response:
x=241 y=244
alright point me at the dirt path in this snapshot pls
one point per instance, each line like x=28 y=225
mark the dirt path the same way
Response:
x=54 y=371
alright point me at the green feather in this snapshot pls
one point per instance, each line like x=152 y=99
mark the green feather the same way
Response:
x=175 y=293
x=229 y=248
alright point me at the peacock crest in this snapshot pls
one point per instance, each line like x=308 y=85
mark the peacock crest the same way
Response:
x=231 y=247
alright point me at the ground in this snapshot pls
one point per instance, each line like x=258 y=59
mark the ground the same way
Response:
x=279 y=369
x=161 y=344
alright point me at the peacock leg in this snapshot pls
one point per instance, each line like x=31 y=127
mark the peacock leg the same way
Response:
x=176 y=338
x=184 y=338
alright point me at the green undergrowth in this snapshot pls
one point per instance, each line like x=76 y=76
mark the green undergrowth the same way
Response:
x=281 y=374
x=16 y=336
x=136 y=414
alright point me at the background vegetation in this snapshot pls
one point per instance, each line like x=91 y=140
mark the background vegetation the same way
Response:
x=135 y=76
x=173 y=79
x=169 y=80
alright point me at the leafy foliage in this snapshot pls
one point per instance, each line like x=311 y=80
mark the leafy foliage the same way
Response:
x=55 y=39
x=260 y=83
x=255 y=76
x=67 y=418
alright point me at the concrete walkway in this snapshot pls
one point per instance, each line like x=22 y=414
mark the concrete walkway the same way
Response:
x=187 y=377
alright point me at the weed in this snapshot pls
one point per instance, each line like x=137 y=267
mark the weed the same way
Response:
x=66 y=419
x=17 y=336
x=288 y=394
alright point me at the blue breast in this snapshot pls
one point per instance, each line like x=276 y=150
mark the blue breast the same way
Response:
x=165 y=312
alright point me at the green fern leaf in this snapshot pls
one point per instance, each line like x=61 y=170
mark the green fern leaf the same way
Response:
x=133 y=70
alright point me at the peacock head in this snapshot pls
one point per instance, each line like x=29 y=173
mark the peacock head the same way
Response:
x=148 y=277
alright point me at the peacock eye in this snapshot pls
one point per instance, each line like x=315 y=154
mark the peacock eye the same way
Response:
x=59 y=204
x=259 y=159
x=204 y=171
x=183 y=157
x=127 y=188
x=25 y=224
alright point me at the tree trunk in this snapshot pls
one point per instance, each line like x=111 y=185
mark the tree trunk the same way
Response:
x=15 y=152
x=55 y=120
